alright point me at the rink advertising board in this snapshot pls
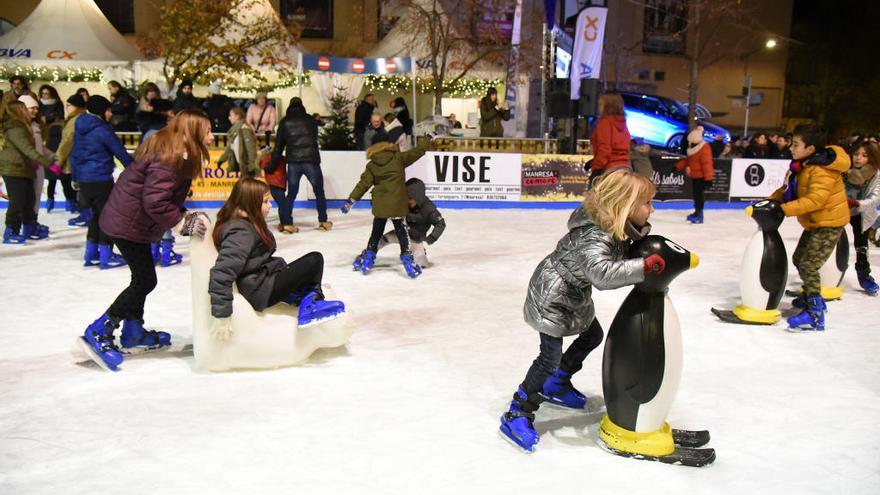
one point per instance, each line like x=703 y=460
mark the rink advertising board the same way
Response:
x=553 y=177
x=466 y=176
x=674 y=185
x=751 y=178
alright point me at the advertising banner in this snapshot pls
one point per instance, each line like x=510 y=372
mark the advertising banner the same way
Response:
x=586 y=60
x=554 y=177
x=752 y=178
x=674 y=185
x=466 y=176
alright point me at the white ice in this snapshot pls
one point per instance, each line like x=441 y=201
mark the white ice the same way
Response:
x=412 y=403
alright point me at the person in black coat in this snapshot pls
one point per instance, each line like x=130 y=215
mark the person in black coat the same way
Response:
x=758 y=148
x=402 y=112
x=123 y=106
x=218 y=106
x=185 y=99
x=362 y=118
x=297 y=139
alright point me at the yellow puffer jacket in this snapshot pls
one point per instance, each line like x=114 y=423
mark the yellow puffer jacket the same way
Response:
x=821 y=196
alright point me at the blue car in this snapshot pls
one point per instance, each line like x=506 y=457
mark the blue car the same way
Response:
x=662 y=121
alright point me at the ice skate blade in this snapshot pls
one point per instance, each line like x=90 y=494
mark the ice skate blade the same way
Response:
x=137 y=350
x=321 y=320
x=87 y=348
x=805 y=330
x=511 y=441
x=683 y=456
x=559 y=405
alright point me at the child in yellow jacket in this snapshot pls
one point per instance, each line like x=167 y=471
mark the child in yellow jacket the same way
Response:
x=815 y=194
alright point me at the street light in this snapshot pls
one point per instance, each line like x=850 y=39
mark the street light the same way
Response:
x=769 y=44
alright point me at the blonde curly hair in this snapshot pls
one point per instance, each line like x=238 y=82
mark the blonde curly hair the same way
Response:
x=615 y=197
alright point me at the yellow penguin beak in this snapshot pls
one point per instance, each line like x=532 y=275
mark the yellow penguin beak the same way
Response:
x=695 y=260
x=749 y=210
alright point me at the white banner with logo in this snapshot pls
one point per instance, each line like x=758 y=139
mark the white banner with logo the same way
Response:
x=756 y=178
x=470 y=176
x=586 y=60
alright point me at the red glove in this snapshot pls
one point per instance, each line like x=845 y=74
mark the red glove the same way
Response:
x=853 y=203
x=795 y=166
x=654 y=264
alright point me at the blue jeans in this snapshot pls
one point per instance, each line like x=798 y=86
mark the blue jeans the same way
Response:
x=285 y=208
x=312 y=171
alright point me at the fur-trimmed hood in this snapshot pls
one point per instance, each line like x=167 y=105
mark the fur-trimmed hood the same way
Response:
x=381 y=153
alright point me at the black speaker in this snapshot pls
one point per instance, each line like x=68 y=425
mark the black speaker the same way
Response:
x=559 y=98
x=589 y=93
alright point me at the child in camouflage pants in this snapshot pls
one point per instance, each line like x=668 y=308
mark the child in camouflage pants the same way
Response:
x=815 y=194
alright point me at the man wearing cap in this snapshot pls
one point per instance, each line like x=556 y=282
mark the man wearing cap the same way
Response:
x=75 y=107
x=94 y=147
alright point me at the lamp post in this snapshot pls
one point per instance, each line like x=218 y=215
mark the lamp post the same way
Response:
x=747 y=83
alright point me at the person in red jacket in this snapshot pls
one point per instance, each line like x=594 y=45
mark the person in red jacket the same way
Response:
x=700 y=168
x=610 y=139
x=146 y=201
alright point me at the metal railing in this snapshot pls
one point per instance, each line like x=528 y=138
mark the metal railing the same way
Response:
x=132 y=140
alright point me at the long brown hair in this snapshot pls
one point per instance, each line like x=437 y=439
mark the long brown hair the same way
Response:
x=610 y=104
x=16 y=111
x=180 y=144
x=246 y=197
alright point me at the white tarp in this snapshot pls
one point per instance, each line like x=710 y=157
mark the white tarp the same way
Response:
x=65 y=33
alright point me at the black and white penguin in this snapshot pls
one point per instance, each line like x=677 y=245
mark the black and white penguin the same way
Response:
x=764 y=268
x=641 y=366
x=832 y=272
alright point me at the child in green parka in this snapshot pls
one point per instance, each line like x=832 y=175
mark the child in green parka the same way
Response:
x=385 y=173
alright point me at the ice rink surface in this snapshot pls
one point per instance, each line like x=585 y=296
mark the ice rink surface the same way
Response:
x=412 y=403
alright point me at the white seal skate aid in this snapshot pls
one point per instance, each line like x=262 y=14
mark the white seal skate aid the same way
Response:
x=267 y=339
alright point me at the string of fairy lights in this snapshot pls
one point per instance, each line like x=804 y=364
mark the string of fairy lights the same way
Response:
x=466 y=87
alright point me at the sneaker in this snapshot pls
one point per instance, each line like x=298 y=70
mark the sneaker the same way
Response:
x=810 y=319
x=559 y=391
x=325 y=226
x=288 y=229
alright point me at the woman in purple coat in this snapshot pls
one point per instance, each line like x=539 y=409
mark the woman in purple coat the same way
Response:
x=146 y=201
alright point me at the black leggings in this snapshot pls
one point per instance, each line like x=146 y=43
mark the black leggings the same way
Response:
x=299 y=274
x=66 y=185
x=379 y=229
x=20 y=210
x=699 y=188
x=94 y=195
x=551 y=356
x=860 y=240
x=129 y=305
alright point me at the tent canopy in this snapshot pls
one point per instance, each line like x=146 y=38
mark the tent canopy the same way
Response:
x=65 y=32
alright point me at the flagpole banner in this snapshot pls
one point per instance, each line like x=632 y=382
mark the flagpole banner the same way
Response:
x=586 y=59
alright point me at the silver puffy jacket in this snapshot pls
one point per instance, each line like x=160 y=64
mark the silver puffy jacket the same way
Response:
x=559 y=301
x=869 y=198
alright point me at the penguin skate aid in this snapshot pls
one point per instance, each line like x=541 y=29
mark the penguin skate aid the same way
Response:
x=593 y=253
x=815 y=194
x=641 y=368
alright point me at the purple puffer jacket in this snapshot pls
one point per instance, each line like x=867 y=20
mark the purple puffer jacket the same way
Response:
x=146 y=201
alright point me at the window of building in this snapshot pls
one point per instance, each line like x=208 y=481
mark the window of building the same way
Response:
x=665 y=24
x=314 y=17
x=120 y=13
x=659 y=75
x=644 y=75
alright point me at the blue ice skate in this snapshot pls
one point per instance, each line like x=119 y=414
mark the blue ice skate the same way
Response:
x=697 y=218
x=365 y=261
x=810 y=319
x=42 y=228
x=690 y=218
x=91 y=256
x=108 y=259
x=50 y=205
x=314 y=309
x=154 y=251
x=32 y=232
x=559 y=391
x=135 y=338
x=97 y=342
x=83 y=220
x=12 y=237
x=412 y=268
x=868 y=285
x=168 y=257
x=800 y=302
x=517 y=423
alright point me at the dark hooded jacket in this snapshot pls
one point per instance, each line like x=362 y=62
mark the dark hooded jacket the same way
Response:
x=185 y=101
x=243 y=258
x=298 y=135
x=491 y=117
x=123 y=107
x=386 y=174
x=218 y=107
x=94 y=147
x=424 y=216
x=402 y=113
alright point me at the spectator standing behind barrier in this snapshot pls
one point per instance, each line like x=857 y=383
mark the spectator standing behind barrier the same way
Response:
x=123 y=106
x=783 y=145
x=20 y=87
x=298 y=140
x=758 y=148
x=401 y=111
x=262 y=116
x=396 y=133
x=610 y=139
x=362 y=115
x=241 y=147
x=377 y=126
x=218 y=105
x=144 y=116
x=453 y=122
x=491 y=115
x=185 y=99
